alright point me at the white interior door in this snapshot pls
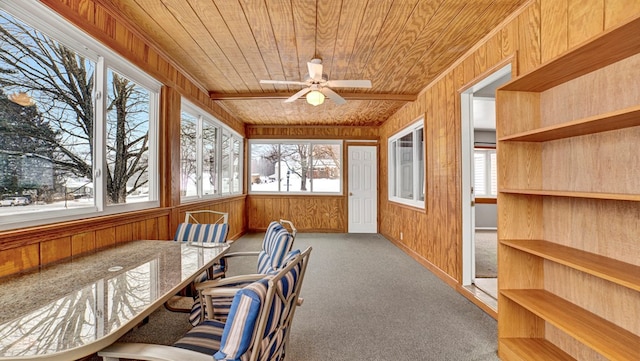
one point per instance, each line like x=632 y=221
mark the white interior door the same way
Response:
x=363 y=189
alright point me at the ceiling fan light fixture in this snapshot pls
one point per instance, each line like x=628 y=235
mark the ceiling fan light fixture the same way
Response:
x=315 y=98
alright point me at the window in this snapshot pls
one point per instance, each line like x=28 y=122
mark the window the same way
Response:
x=210 y=156
x=485 y=176
x=68 y=106
x=406 y=166
x=295 y=166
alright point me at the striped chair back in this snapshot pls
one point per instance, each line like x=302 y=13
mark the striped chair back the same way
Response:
x=205 y=233
x=202 y=233
x=275 y=245
x=260 y=317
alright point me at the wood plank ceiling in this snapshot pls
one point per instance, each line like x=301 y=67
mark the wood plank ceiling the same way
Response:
x=228 y=46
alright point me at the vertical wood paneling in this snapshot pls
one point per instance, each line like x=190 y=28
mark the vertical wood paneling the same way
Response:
x=509 y=39
x=124 y=233
x=435 y=234
x=617 y=11
x=430 y=251
x=55 y=249
x=170 y=142
x=151 y=229
x=83 y=242
x=553 y=28
x=105 y=237
x=19 y=259
x=585 y=20
x=454 y=248
x=308 y=214
x=529 y=53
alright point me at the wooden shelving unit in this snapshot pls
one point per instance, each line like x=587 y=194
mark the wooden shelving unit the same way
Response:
x=573 y=194
x=603 y=336
x=569 y=204
x=612 y=270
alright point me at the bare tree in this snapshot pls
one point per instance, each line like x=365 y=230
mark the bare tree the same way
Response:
x=62 y=84
x=188 y=165
x=127 y=146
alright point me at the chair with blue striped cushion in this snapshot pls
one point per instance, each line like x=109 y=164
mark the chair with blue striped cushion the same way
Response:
x=257 y=327
x=195 y=231
x=275 y=245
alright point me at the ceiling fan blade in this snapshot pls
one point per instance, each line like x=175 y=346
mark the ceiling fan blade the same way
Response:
x=282 y=82
x=315 y=69
x=333 y=96
x=349 y=83
x=297 y=95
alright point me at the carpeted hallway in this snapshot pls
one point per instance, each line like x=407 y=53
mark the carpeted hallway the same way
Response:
x=364 y=300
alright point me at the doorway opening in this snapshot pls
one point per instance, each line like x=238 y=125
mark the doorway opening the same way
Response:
x=479 y=185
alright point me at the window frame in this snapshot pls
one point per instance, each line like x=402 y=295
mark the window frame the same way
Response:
x=312 y=143
x=393 y=160
x=490 y=173
x=222 y=130
x=51 y=24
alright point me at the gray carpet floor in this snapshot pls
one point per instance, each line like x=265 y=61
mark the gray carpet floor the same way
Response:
x=486 y=247
x=364 y=300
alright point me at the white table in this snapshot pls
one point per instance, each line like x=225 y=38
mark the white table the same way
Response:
x=77 y=307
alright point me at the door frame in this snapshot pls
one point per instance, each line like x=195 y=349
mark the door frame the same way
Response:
x=467 y=148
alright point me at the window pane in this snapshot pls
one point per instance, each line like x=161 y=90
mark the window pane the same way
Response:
x=480 y=173
x=294 y=167
x=46 y=122
x=406 y=166
x=237 y=166
x=326 y=168
x=420 y=163
x=264 y=158
x=226 y=165
x=188 y=151
x=209 y=167
x=127 y=140
x=493 y=176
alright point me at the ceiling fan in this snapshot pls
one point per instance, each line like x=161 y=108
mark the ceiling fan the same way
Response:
x=318 y=86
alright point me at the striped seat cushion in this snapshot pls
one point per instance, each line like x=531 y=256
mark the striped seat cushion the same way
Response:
x=273 y=337
x=275 y=245
x=222 y=304
x=204 y=338
x=242 y=321
x=233 y=339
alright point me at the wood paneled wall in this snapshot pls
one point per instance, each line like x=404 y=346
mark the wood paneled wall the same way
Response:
x=27 y=248
x=308 y=213
x=540 y=31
